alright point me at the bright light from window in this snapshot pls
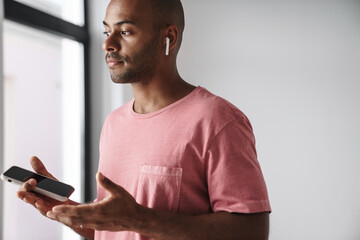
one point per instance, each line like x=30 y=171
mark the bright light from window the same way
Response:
x=44 y=116
x=69 y=10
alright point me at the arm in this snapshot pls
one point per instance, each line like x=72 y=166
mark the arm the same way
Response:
x=42 y=203
x=120 y=212
x=220 y=225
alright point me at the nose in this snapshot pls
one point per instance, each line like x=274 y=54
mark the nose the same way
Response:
x=110 y=44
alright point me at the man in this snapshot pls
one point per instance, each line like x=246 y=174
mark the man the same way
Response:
x=182 y=162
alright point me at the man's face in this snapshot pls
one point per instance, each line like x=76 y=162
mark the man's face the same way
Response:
x=132 y=45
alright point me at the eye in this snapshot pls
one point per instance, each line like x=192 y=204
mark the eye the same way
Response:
x=125 y=33
x=106 y=33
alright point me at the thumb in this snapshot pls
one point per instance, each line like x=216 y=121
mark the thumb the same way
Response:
x=107 y=184
x=39 y=167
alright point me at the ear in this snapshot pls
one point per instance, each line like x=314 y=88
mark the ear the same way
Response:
x=171 y=33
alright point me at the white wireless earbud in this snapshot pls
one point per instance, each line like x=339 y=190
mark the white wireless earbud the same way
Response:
x=167 y=46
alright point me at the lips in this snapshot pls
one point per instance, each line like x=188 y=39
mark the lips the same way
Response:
x=113 y=62
x=114 y=59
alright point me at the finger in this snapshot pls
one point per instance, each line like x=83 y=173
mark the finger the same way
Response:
x=39 y=167
x=28 y=185
x=67 y=210
x=78 y=210
x=22 y=194
x=42 y=207
x=69 y=216
x=67 y=220
x=84 y=222
x=35 y=201
x=108 y=185
x=27 y=197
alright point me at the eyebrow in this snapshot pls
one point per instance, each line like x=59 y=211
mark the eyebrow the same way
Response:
x=120 y=23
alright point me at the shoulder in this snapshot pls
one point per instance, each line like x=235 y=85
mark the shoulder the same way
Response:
x=207 y=115
x=213 y=107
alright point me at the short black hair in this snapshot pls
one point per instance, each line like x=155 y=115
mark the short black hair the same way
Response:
x=169 y=12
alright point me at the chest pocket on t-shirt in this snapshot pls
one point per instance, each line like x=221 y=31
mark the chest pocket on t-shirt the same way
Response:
x=159 y=187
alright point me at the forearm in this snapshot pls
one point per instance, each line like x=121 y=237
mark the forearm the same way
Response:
x=221 y=225
x=120 y=212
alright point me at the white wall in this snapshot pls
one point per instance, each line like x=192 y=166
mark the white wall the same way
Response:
x=106 y=96
x=292 y=67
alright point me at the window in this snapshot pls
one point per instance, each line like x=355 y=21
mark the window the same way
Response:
x=68 y=10
x=45 y=112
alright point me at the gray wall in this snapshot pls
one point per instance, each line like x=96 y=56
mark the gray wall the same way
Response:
x=106 y=96
x=293 y=68
x=1 y=116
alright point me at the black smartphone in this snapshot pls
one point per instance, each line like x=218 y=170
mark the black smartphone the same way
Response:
x=45 y=186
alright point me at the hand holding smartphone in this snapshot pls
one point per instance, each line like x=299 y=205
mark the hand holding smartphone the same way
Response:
x=45 y=186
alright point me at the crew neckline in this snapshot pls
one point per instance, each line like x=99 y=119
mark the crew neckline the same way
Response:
x=172 y=105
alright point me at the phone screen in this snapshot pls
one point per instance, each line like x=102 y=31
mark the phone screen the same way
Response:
x=45 y=183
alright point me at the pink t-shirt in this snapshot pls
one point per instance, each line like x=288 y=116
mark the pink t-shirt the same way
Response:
x=194 y=156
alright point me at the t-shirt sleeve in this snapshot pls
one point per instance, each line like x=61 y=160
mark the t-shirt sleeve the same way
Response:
x=234 y=178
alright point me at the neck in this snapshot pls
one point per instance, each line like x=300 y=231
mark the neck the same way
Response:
x=160 y=92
